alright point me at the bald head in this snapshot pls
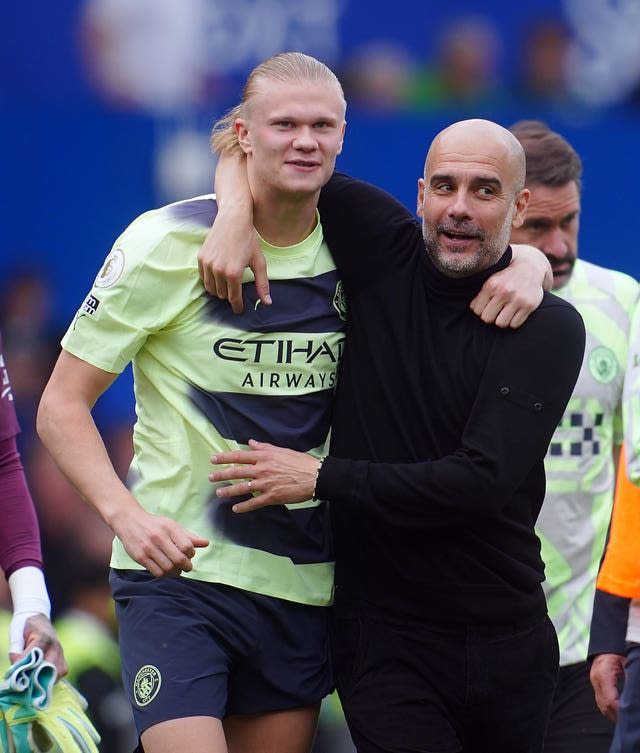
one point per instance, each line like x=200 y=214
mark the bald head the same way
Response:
x=469 y=139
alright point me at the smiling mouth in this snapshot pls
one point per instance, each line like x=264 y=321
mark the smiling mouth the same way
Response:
x=302 y=163
x=459 y=236
x=459 y=232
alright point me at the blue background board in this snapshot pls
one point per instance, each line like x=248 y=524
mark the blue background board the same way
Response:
x=77 y=168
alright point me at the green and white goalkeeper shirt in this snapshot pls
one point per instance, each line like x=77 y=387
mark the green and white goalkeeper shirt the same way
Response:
x=579 y=464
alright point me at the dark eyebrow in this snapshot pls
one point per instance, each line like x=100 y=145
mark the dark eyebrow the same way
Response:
x=546 y=222
x=479 y=180
x=440 y=178
x=532 y=219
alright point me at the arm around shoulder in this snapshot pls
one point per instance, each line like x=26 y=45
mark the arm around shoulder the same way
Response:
x=231 y=244
x=508 y=297
x=368 y=231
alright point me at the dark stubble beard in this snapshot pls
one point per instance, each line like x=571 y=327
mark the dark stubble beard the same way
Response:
x=463 y=264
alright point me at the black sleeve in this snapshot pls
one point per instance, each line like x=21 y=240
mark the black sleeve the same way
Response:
x=608 y=624
x=608 y=630
x=526 y=384
x=361 y=224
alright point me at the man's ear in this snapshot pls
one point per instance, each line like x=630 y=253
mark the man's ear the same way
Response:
x=344 y=128
x=244 y=138
x=521 y=208
x=420 y=199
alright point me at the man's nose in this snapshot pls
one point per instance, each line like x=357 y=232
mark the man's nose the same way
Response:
x=305 y=139
x=459 y=205
x=555 y=244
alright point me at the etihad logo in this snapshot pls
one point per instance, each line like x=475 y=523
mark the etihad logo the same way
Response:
x=290 y=380
x=278 y=351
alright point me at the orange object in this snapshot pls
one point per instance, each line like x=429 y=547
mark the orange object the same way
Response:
x=620 y=571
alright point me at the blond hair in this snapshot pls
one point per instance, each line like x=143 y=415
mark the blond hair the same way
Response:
x=283 y=68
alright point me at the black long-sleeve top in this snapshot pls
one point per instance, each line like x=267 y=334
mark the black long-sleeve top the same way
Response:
x=441 y=424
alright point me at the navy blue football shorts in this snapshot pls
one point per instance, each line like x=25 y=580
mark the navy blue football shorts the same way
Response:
x=193 y=648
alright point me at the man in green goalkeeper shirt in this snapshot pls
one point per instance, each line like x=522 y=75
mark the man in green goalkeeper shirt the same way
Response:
x=583 y=454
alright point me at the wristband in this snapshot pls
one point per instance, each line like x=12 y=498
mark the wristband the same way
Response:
x=315 y=483
x=29 y=596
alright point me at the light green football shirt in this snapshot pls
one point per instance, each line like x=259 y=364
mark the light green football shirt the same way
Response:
x=579 y=464
x=207 y=380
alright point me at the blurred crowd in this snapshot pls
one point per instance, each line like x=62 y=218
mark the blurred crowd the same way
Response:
x=568 y=55
x=466 y=71
x=568 y=65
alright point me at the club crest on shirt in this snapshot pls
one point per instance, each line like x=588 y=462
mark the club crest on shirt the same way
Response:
x=111 y=270
x=340 y=301
x=603 y=365
x=146 y=684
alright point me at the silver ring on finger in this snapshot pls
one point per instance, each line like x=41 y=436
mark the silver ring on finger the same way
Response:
x=249 y=484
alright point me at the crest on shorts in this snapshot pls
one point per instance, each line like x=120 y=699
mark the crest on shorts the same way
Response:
x=340 y=301
x=111 y=270
x=603 y=365
x=146 y=684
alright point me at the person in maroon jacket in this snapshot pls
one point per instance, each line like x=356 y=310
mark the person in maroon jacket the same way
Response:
x=20 y=553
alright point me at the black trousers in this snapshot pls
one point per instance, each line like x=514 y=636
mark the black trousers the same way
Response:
x=576 y=724
x=409 y=687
